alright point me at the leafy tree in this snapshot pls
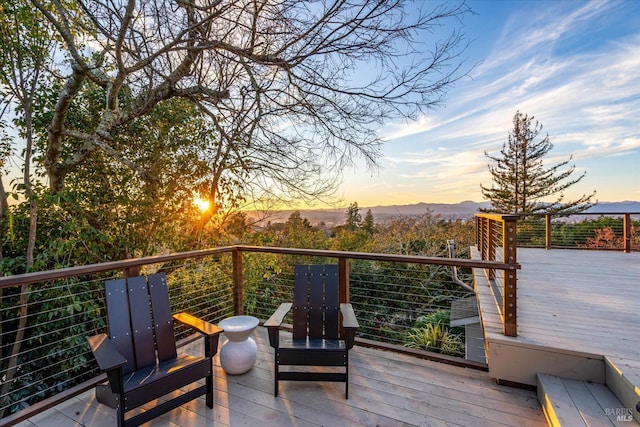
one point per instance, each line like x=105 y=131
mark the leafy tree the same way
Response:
x=426 y=234
x=351 y=236
x=299 y=233
x=131 y=216
x=521 y=181
x=236 y=226
x=25 y=46
x=5 y=154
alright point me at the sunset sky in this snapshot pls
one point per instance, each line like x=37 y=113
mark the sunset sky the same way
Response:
x=574 y=65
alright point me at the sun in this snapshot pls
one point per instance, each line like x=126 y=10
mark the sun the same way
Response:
x=202 y=204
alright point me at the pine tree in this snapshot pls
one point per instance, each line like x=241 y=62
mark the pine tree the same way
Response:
x=522 y=183
x=354 y=219
x=368 y=224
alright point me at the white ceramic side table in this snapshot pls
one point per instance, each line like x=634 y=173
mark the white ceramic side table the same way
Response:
x=239 y=352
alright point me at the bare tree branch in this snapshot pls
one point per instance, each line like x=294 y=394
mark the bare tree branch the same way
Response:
x=295 y=89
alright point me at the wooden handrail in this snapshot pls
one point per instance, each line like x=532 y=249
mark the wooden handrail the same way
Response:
x=413 y=259
x=61 y=273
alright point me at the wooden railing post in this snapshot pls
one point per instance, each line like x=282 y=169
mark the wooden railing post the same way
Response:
x=491 y=246
x=478 y=234
x=547 y=230
x=484 y=248
x=343 y=280
x=238 y=287
x=626 y=224
x=509 y=291
x=132 y=271
x=343 y=286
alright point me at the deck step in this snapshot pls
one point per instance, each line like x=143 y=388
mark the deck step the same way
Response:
x=623 y=378
x=572 y=403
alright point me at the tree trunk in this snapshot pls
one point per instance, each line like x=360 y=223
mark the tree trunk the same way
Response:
x=24 y=289
x=15 y=349
x=4 y=208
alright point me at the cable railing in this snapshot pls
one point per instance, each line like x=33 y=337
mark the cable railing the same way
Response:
x=402 y=302
x=598 y=231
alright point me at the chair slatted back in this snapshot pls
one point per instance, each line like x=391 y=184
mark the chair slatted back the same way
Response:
x=139 y=318
x=331 y=302
x=119 y=320
x=162 y=320
x=141 y=325
x=315 y=302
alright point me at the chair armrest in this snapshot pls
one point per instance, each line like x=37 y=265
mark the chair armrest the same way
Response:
x=210 y=331
x=349 y=325
x=105 y=352
x=274 y=322
x=277 y=318
x=348 y=316
x=202 y=326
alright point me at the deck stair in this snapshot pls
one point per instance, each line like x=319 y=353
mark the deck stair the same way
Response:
x=573 y=403
x=623 y=378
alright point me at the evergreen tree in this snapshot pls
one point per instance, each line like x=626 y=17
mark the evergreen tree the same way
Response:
x=354 y=219
x=368 y=224
x=521 y=181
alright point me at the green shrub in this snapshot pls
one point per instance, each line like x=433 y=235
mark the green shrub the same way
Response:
x=436 y=338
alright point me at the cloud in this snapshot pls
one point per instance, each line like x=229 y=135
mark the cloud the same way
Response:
x=570 y=65
x=538 y=30
x=545 y=63
x=399 y=130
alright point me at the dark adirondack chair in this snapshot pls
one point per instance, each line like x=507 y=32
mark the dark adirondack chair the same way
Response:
x=139 y=354
x=317 y=339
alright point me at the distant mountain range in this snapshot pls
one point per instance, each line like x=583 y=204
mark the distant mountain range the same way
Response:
x=462 y=210
x=616 y=207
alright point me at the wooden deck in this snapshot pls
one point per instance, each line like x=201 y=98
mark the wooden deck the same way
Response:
x=578 y=318
x=575 y=302
x=582 y=300
x=386 y=389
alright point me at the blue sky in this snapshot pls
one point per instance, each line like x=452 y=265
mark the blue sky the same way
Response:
x=574 y=65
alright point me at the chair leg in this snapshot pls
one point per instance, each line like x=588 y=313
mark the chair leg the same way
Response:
x=120 y=415
x=277 y=373
x=209 y=384
x=346 y=376
x=346 y=382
